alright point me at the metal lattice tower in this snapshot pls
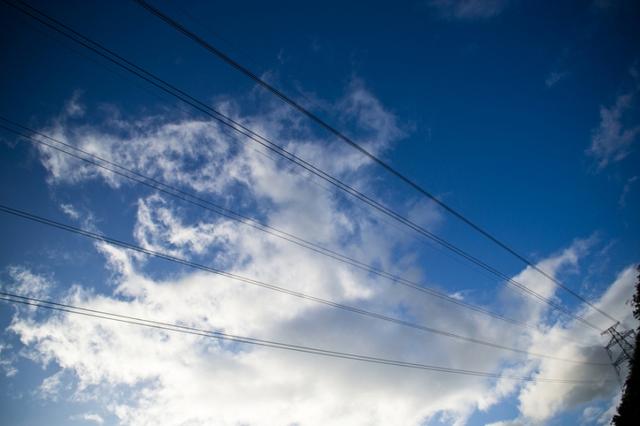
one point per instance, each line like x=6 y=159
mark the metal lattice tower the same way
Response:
x=620 y=347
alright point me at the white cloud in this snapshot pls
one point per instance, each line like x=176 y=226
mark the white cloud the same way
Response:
x=507 y=423
x=554 y=77
x=539 y=402
x=89 y=417
x=25 y=282
x=74 y=108
x=469 y=9
x=51 y=386
x=622 y=201
x=606 y=416
x=70 y=211
x=426 y=213
x=612 y=140
x=598 y=415
x=590 y=414
x=158 y=228
x=212 y=381
x=528 y=308
x=168 y=379
x=162 y=150
x=7 y=359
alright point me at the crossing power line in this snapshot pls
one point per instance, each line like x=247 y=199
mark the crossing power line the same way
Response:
x=176 y=328
x=377 y=160
x=279 y=150
x=247 y=280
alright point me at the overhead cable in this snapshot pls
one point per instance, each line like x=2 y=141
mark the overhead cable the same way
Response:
x=196 y=200
x=255 y=137
x=176 y=328
x=247 y=280
x=344 y=138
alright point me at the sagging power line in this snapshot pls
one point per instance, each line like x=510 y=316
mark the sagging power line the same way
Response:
x=279 y=150
x=247 y=280
x=176 y=328
x=346 y=139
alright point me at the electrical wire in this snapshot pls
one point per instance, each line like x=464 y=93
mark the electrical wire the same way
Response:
x=250 y=134
x=342 y=137
x=198 y=201
x=185 y=262
x=104 y=315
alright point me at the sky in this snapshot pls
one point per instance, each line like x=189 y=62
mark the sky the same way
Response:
x=523 y=116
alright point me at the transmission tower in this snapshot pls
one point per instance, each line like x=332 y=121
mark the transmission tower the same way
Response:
x=620 y=347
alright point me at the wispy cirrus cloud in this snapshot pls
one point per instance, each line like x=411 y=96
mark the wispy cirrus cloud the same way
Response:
x=555 y=77
x=468 y=9
x=626 y=189
x=611 y=141
x=89 y=417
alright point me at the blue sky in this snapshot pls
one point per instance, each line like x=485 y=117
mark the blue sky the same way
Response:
x=522 y=116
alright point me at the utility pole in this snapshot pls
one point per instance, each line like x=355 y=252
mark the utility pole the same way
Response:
x=623 y=342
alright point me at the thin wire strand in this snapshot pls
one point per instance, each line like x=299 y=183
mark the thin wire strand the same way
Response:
x=185 y=262
x=104 y=315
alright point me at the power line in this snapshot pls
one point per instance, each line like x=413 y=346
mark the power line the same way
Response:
x=105 y=315
x=248 y=221
x=185 y=262
x=191 y=198
x=250 y=134
x=386 y=166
